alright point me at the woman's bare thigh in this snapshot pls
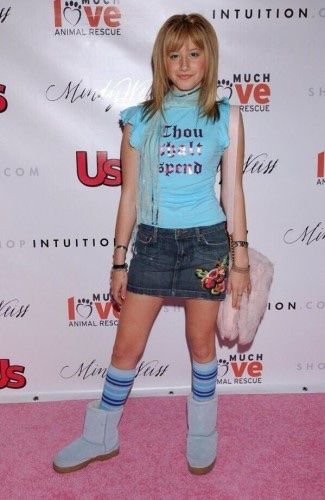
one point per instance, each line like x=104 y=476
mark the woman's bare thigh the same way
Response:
x=201 y=318
x=137 y=316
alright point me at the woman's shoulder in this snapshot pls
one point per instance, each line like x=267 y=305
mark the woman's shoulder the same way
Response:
x=132 y=114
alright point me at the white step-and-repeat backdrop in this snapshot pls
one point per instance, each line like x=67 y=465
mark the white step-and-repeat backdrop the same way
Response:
x=67 y=68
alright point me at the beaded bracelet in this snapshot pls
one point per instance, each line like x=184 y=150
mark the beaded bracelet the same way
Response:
x=120 y=267
x=232 y=247
x=232 y=251
x=240 y=243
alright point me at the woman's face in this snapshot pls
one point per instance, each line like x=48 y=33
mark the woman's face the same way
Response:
x=186 y=66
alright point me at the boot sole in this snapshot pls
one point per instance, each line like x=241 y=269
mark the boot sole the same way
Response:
x=201 y=470
x=84 y=464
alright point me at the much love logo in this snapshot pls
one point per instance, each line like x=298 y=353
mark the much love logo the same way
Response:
x=99 y=19
x=95 y=311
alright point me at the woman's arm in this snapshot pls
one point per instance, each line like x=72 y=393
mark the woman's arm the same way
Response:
x=240 y=223
x=238 y=282
x=126 y=214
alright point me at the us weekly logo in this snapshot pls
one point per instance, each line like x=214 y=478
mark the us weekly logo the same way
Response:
x=11 y=376
x=108 y=170
x=321 y=169
x=95 y=310
x=87 y=17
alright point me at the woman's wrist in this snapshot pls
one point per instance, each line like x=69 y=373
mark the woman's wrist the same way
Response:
x=239 y=251
x=240 y=256
x=244 y=270
x=119 y=254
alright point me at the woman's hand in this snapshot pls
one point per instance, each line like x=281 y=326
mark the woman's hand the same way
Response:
x=238 y=283
x=118 y=283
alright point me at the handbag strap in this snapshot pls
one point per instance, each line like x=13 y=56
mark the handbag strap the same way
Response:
x=229 y=164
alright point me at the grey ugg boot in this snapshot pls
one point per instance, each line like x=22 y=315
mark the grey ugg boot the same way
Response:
x=202 y=436
x=99 y=440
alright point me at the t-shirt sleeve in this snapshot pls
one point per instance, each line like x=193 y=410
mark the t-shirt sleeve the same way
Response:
x=133 y=116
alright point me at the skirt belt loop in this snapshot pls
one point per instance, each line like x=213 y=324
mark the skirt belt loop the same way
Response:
x=198 y=233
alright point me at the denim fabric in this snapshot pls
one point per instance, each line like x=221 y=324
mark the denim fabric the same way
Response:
x=164 y=261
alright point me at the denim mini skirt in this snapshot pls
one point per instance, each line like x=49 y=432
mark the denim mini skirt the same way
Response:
x=191 y=262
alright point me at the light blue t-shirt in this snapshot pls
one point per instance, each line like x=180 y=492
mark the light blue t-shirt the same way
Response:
x=190 y=151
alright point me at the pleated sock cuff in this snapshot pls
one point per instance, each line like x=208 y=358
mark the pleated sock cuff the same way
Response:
x=118 y=384
x=206 y=367
x=121 y=372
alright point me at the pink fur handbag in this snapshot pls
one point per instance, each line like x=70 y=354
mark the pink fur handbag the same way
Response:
x=242 y=323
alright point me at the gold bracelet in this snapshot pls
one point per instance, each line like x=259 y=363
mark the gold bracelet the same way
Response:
x=120 y=246
x=240 y=269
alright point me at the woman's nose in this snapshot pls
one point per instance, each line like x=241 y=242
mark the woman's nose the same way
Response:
x=184 y=63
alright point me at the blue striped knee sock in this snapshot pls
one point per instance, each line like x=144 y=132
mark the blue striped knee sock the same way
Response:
x=204 y=378
x=117 y=386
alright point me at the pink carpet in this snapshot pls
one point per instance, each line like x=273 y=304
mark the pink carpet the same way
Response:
x=270 y=447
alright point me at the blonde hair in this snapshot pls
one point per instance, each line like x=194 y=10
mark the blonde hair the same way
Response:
x=171 y=36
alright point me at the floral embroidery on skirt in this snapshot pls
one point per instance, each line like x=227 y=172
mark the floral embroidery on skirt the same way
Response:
x=214 y=280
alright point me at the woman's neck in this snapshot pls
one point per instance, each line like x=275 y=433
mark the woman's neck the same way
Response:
x=175 y=91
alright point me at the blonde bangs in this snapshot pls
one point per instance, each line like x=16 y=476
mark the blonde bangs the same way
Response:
x=177 y=37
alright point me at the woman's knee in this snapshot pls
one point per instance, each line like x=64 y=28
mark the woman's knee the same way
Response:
x=203 y=349
x=126 y=356
x=203 y=356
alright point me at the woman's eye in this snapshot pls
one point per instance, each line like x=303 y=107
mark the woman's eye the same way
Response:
x=195 y=53
x=173 y=56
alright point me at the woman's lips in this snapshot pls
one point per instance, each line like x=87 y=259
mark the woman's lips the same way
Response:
x=184 y=77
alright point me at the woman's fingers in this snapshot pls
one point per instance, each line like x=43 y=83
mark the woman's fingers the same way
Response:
x=123 y=290
x=233 y=290
x=236 y=299
x=115 y=295
x=118 y=288
x=238 y=285
x=115 y=298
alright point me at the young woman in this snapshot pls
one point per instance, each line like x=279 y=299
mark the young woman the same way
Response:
x=171 y=147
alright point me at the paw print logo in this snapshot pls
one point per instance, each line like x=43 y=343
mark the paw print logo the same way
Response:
x=72 y=12
x=224 y=88
x=223 y=367
x=84 y=308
